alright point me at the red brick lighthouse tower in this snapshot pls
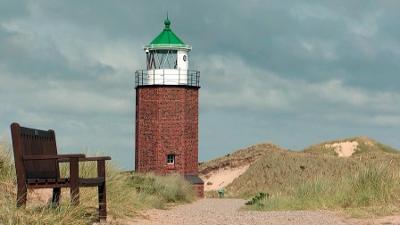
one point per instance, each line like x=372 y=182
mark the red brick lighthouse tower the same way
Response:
x=167 y=110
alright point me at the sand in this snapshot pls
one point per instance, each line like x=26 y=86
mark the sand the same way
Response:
x=222 y=177
x=228 y=212
x=344 y=149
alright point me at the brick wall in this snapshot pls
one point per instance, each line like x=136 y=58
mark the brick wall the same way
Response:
x=166 y=123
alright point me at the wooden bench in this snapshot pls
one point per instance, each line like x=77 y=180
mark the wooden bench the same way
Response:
x=37 y=166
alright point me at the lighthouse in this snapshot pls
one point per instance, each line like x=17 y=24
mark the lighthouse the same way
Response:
x=167 y=110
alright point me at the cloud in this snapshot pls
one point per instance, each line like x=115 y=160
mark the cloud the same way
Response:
x=269 y=69
x=238 y=85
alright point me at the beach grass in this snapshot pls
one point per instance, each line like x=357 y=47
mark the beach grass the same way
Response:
x=127 y=194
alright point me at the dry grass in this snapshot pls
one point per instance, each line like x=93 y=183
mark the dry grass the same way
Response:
x=239 y=158
x=123 y=197
x=283 y=171
x=365 y=146
x=367 y=183
x=279 y=170
x=373 y=190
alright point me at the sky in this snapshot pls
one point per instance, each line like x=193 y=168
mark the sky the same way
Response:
x=293 y=73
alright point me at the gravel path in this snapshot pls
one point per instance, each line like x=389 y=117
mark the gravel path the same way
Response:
x=227 y=212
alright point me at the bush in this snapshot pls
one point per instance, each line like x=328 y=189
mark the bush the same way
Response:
x=168 y=189
x=257 y=198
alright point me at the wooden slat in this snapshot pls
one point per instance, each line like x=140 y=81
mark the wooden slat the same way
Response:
x=48 y=181
x=57 y=185
x=36 y=143
x=46 y=157
x=91 y=182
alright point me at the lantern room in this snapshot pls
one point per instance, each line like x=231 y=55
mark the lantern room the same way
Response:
x=167 y=60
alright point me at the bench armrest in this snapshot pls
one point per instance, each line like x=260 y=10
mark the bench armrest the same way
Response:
x=97 y=158
x=47 y=157
x=87 y=159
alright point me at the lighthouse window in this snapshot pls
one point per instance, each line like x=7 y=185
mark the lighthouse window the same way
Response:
x=171 y=159
x=162 y=59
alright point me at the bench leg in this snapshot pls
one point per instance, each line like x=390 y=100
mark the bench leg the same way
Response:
x=22 y=196
x=74 y=181
x=55 y=201
x=101 y=172
x=102 y=203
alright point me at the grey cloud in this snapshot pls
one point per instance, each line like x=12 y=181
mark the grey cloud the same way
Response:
x=270 y=92
x=270 y=69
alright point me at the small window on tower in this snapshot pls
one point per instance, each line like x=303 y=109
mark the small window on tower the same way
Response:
x=171 y=159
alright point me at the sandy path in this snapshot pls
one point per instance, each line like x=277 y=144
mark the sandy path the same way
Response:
x=227 y=212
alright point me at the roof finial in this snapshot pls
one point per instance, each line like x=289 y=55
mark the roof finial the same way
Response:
x=167 y=23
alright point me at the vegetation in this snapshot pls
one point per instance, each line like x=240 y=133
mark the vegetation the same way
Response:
x=257 y=199
x=373 y=190
x=368 y=182
x=239 y=158
x=283 y=171
x=126 y=194
x=280 y=170
x=365 y=146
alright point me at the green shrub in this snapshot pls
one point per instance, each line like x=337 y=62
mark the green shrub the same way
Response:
x=257 y=198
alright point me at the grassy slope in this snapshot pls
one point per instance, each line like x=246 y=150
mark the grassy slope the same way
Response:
x=238 y=158
x=123 y=197
x=365 y=145
x=281 y=172
x=316 y=179
x=368 y=192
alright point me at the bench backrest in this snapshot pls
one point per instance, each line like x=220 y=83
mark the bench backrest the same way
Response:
x=28 y=141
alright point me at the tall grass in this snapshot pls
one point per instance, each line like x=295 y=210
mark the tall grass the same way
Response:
x=282 y=171
x=7 y=169
x=161 y=190
x=127 y=193
x=371 y=189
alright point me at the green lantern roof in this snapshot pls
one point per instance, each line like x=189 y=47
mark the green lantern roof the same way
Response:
x=167 y=39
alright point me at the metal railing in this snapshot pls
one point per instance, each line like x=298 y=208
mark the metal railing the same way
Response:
x=167 y=77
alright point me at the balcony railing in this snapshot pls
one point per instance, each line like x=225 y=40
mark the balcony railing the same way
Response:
x=167 y=77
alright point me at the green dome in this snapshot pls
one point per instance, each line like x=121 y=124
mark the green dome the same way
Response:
x=167 y=39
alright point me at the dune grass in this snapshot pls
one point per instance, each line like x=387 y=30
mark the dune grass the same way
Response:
x=366 y=145
x=127 y=193
x=367 y=183
x=283 y=171
x=373 y=190
x=239 y=158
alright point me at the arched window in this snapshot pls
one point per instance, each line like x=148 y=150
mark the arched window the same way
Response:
x=171 y=159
